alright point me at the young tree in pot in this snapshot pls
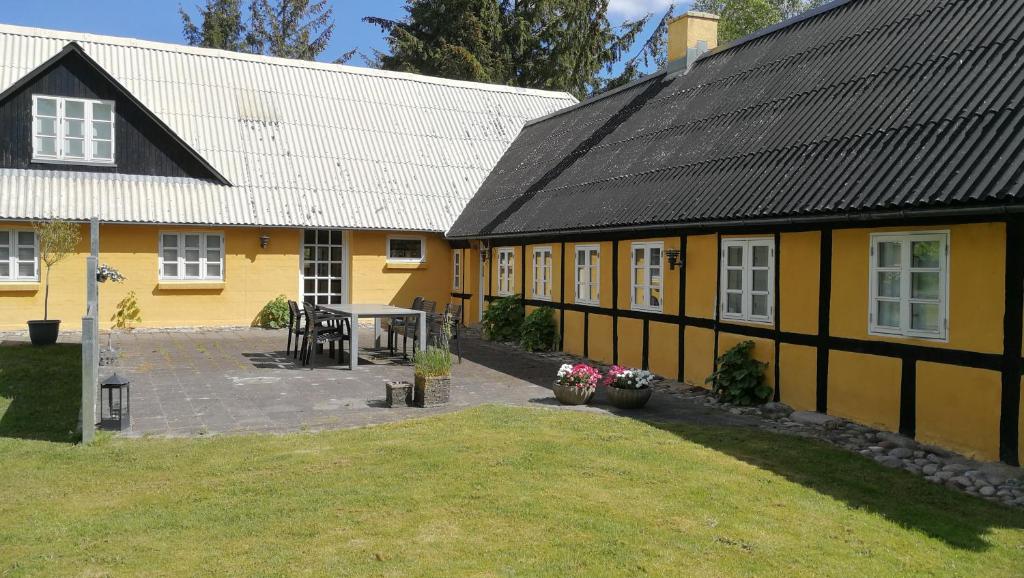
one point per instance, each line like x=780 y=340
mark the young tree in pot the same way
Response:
x=57 y=240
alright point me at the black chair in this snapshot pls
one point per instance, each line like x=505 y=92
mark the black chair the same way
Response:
x=411 y=324
x=296 y=327
x=396 y=323
x=321 y=328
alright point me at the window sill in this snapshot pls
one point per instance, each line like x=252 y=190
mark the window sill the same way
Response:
x=76 y=162
x=405 y=264
x=909 y=337
x=190 y=285
x=19 y=286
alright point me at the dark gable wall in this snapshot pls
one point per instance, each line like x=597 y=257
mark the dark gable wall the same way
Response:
x=142 y=147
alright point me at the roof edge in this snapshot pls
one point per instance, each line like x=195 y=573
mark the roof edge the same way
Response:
x=129 y=42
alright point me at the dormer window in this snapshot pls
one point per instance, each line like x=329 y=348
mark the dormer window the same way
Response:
x=72 y=130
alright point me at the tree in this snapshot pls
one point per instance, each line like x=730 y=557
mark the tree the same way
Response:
x=56 y=240
x=547 y=44
x=291 y=28
x=286 y=28
x=221 y=27
x=742 y=17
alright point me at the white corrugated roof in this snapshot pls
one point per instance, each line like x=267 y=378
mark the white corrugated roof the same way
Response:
x=303 y=143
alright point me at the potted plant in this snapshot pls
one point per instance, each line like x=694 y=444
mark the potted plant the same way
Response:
x=628 y=388
x=576 y=384
x=57 y=240
x=433 y=367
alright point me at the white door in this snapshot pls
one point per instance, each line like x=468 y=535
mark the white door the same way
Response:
x=323 y=266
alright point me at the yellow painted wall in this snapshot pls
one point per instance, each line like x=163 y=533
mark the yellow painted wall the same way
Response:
x=573 y=333
x=799 y=274
x=764 y=351
x=631 y=342
x=701 y=275
x=374 y=280
x=798 y=374
x=664 y=349
x=865 y=388
x=958 y=408
x=252 y=277
x=599 y=338
x=699 y=355
x=976 y=286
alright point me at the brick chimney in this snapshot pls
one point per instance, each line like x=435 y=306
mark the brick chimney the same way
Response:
x=689 y=36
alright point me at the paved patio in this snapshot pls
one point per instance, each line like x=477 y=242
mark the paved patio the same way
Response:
x=241 y=380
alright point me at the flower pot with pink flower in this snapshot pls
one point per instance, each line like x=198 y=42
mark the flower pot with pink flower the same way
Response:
x=576 y=384
x=628 y=388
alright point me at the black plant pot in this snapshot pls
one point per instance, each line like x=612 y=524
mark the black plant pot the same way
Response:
x=43 y=332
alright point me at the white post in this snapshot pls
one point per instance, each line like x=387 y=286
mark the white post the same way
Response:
x=90 y=337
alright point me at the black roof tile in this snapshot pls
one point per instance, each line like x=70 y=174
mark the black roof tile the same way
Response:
x=865 y=105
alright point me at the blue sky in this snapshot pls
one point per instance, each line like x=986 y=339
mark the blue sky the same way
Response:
x=158 y=19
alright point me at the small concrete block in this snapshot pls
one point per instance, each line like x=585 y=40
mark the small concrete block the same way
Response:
x=398 y=394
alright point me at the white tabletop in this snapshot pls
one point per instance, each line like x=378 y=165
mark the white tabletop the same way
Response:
x=369 y=309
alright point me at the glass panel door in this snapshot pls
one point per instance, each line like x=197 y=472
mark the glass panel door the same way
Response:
x=322 y=266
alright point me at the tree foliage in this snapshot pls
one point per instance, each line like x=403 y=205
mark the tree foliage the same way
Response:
x=56 y=240
x=742 y=17
x=546 y=44
x=287 y=28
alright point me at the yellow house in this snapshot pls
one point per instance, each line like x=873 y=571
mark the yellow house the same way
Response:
x=223 y=180
x=823 y=188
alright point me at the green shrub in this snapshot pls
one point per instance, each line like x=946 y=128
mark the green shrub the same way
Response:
x=538 y=331
x=274 y=314
x=503 y=319
x=433 y=362
x=740 y=378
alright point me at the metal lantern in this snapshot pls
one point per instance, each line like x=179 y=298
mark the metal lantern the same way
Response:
x=674 y=259
x=115 y=403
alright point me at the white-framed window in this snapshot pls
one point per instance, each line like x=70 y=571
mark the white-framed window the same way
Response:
x=909 y=281
x=506 y=257
x=542 y=273
x=646 y=278
x=588 y=274
x=19 y=255
x=457 y=269
x=407 y=249
x=72 y=130
x=748 y=279
x=191 y=256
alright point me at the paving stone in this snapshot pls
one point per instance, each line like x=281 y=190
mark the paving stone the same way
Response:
x=813 y=418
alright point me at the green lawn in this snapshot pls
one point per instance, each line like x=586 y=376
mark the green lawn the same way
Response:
x=489 y=491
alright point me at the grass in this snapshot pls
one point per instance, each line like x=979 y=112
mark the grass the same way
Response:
x=488 y=491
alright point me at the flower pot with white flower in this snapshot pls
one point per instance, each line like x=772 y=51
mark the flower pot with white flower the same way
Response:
x=629 y=388
x=576 y=384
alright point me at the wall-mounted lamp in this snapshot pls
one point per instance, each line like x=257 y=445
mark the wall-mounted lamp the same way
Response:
x=674 y=258
x=264 y=241
x=485 y=250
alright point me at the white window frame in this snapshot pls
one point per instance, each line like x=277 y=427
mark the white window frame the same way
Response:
x=87 y=139
x=747 y=288
x=584 y=273
x=906 y=271
x=423 y=249
x=505 y=258
x=203 y=260
x=13 y=261
x=543 y=273
x=457 y=269
x=648 y=285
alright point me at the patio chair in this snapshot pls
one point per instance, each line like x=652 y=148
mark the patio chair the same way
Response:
x=296 y=327
x=323 y=328
x=453 y=311
x=411 y=324
x=396 y=323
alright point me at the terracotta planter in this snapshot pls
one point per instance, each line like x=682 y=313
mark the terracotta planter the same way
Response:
x=43 y=332
x=629 y=398
x=432 y=391
x=572 y=395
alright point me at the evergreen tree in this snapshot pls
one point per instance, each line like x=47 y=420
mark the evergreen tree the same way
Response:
x=548 y=44
x=291 y=28
x=221 y=26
